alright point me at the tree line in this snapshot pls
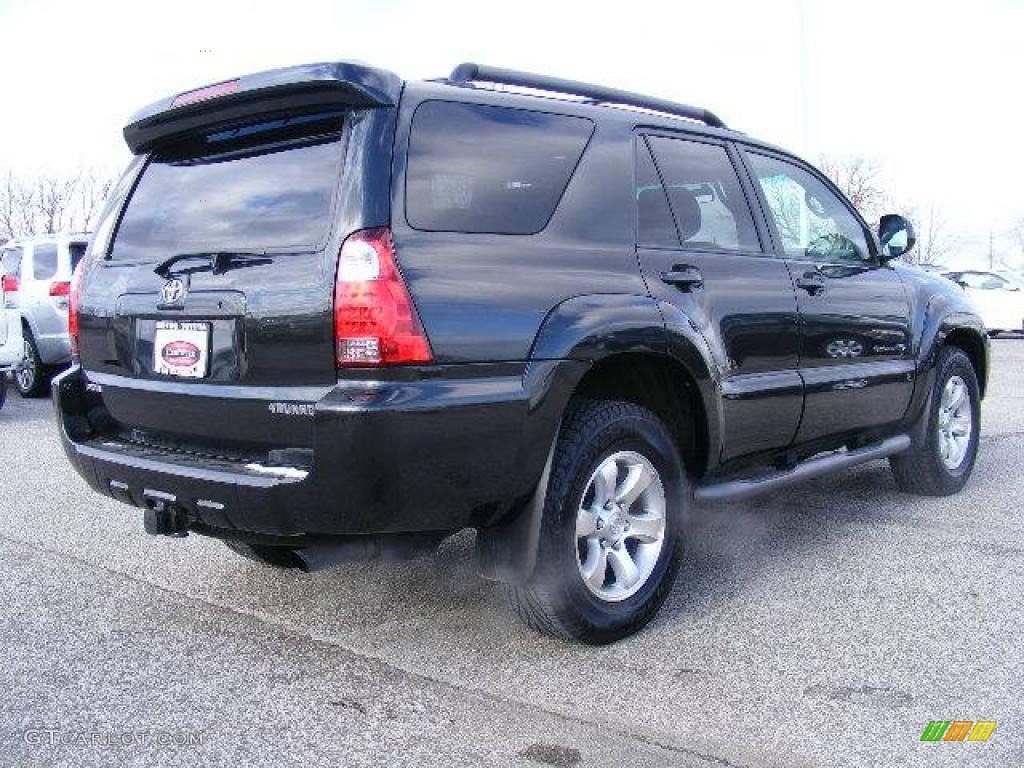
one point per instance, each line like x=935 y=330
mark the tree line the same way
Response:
x=50 y=202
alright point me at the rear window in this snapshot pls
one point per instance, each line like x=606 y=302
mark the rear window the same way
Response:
x=253 y=188
x=10 y=262
x=475 y=168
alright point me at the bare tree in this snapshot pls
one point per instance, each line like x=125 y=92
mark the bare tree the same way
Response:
x=54 y=199
x=858 y=178
x=92 y=191
x=51 y=203
x=16 y=208
x=935 y=236
x=1016 y=237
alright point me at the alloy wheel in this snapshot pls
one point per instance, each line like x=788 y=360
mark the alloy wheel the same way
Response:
x=954 y=422
x=620 y=526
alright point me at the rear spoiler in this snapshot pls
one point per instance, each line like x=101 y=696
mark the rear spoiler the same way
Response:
x=334 y=84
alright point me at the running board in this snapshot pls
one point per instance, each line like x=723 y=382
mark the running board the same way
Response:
x=740 y=490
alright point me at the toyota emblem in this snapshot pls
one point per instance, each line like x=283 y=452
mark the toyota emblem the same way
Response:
x=173 y=292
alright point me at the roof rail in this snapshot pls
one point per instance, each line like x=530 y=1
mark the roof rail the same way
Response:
x=468 y=72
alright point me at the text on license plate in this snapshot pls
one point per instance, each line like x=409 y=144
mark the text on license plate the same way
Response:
x=181 y=348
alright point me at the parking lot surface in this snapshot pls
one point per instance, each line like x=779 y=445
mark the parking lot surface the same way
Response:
x=824 y=625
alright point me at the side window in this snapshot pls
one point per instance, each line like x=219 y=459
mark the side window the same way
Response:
x=476 y=168
x=654 y=225
x=10 y=262
x=76 y=251
x=44 y=261
x=705 y=194
x=812 y=222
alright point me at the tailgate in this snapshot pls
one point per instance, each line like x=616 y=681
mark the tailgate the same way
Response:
x=210 y=318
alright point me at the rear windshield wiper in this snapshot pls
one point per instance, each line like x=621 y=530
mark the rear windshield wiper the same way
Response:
x=216 y=262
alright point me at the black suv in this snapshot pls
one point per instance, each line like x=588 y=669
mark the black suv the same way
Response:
x=330 y=315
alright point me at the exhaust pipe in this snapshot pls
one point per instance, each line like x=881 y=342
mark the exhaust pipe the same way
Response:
x=360 y=549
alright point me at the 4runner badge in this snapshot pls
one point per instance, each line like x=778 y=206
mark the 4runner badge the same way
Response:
x=173 y=293
x=291 y=409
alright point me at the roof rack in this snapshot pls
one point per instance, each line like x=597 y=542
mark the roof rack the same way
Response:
x=468 y=73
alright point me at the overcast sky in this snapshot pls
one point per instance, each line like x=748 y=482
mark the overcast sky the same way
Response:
x=930 y=90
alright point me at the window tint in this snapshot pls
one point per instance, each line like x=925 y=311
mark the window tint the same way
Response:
x=10 y=262
x=654 y=225
x=44 y=261
x=705 y=194
x=476 y=168
x=77 y=251
x=811 y=221
x=257 y=187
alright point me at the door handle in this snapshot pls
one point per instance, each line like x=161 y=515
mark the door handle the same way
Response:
x=812 y=282
x=684 y=277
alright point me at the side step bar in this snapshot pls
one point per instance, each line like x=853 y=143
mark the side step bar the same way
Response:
x=747 y=488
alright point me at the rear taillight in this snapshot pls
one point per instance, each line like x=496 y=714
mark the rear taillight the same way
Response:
x=9 y=283
x=375 y=321
x=60 y=289
x=73 y=288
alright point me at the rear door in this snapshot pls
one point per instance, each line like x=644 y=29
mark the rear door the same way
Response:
x=700 y=250
x=856 y=356
x=215 y=295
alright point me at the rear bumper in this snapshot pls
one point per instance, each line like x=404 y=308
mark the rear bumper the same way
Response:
x=428 y=455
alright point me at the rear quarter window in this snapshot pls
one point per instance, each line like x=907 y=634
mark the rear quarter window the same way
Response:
x=478 y=168
x=44 y=261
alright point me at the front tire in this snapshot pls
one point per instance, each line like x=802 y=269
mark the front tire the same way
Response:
x=943 y=464
x=30 y=376
x=611 y=534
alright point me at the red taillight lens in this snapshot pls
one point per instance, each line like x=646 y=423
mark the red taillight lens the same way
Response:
x=73 y=288
x=60 y=289
x=9 y=283
x=375 y=322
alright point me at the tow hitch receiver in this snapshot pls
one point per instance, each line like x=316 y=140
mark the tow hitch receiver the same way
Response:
x=163 y=516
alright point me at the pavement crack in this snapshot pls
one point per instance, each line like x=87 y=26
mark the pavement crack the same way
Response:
x=606 y=726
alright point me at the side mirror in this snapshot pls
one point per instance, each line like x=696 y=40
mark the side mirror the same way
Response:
x=895 y=235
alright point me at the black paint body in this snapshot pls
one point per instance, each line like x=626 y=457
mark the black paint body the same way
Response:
x=514 y=321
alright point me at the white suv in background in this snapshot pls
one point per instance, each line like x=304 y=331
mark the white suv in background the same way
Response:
x=10 y=329
x=42 y=267
x=997 y=297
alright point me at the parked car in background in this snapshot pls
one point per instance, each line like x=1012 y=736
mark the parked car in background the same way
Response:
x=10 y=329
x=42 y=267
x=998 y=298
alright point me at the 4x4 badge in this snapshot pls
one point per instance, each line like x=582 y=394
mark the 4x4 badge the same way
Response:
x=173 y=293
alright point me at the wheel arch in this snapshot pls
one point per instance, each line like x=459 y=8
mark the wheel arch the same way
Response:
x=607 y=346
x=975 y=346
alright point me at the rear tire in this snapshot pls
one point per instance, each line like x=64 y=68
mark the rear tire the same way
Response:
x=611 y=534
x=31 y=377
x=943 y=464
x=276 y=557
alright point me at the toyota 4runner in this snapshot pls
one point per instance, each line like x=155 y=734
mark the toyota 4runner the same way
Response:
x=328 y=315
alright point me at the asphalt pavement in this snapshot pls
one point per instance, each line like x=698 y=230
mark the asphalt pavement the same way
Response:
x=824 y=625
